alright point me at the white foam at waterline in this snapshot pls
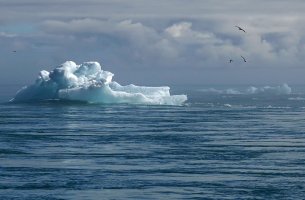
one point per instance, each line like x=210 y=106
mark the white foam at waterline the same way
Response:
x=88 y=82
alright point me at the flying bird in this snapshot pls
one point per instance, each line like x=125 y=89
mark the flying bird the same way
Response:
x=239 y=28
x=230 y=61
x=243 y=58
x=14 y=51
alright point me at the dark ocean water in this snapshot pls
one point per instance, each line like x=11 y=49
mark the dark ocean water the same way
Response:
x=217 y=146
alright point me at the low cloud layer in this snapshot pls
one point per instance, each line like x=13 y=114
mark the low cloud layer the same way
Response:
x=190 y=38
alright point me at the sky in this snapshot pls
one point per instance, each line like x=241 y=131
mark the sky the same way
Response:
x=144 y=42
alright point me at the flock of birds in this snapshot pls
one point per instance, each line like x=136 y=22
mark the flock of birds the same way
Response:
x=241 y=29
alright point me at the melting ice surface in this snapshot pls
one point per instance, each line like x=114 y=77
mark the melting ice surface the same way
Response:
x=88 y=82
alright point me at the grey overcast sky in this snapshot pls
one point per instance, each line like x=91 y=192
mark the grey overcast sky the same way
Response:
x=156 y=42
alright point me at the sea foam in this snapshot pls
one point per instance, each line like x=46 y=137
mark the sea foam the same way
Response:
x=89 y=83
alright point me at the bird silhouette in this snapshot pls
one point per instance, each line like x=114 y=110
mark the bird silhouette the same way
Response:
x=243 y=58
x=230 y=61
x=14 y=51
x=239 y=28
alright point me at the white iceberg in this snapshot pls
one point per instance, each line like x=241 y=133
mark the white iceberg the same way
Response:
x=89 y=83
x=283 y=89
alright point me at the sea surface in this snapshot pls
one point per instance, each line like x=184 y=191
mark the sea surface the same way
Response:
x=222 y=144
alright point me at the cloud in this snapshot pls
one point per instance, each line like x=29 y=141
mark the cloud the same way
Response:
x=183 y=32
x=239 y=10
x=154 y=35
x=178 y=44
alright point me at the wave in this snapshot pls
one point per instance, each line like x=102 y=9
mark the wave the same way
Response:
x=89 y=83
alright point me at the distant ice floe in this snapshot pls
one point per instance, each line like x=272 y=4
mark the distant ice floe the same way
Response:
x=296 y=99
x=283 y=89
x=89 y=83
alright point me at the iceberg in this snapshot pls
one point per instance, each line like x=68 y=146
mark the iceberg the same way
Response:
x=283 y=89
x=87 y=82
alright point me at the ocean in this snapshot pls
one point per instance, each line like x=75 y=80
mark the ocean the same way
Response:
x=224 y=143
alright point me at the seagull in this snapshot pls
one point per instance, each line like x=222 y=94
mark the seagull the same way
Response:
x=230 y=61
x=243 y=58
x=240 y=28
